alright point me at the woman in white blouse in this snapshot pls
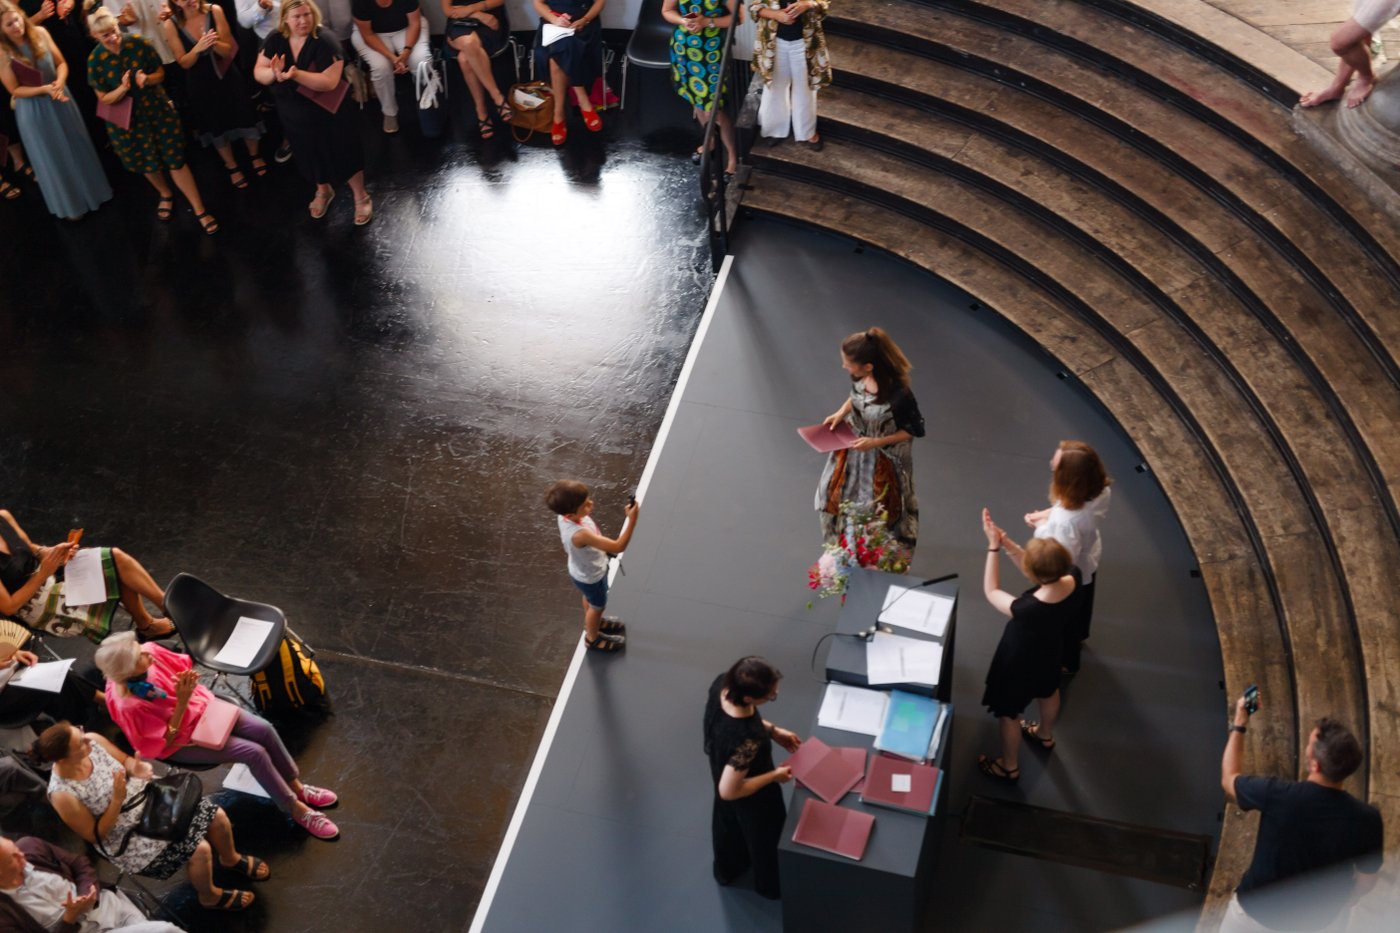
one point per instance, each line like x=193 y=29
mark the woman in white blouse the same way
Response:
x=1079 y=497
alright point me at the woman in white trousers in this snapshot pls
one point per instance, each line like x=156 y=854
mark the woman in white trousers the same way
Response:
x=392 y=39
x=790 y=56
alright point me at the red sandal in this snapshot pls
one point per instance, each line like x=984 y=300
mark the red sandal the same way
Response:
x=592 y=120
x=558 y=133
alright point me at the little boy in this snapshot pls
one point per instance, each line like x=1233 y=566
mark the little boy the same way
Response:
x=588 y=554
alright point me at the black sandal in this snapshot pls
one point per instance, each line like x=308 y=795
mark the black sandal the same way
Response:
x=165 y=209
x=504 y=112
x=242 y=183
x=259 y=166
x=8 y=191
x=27 y=171
x=232 y=900
x=208 y=223
x=486 y=128
x=249 y=866
x=606 y=643
x=993 y=768
x=612 y=625
x=1031 y=730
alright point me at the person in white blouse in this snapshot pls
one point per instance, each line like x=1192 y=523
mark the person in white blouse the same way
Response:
x=143 y=18
x=259 y=16
x=1079 y=497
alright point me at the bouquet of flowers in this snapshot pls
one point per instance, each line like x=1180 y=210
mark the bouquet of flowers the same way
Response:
x=866 y=542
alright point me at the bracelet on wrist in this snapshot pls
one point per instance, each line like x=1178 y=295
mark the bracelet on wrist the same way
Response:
x=993 y=550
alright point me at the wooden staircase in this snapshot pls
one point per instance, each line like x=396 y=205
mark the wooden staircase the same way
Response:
x=1151 y=218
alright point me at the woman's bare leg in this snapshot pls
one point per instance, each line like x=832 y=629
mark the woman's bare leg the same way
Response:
x=479 y=64
x=184 y=180
x=136 y=583
x=559 y=84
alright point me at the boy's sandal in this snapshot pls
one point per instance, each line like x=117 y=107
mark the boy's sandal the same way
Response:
x=259 y=166
x=592 y=120
x=993 y=768
x=8 y=191
x=558 y=133
x=486 y=128
x=165 y=209
x=320 y=203
x=233 y=900
x=364 y=211
x=207 y=223
x=606 y=643
x=236 y=177
x=612 y=625
x=252 y=868
x=1031 y=730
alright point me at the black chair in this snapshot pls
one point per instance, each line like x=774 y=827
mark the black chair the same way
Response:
x=650 y=45
x=205 y=618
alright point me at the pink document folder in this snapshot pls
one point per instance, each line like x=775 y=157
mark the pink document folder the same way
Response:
x=834 y=829
x=824 y=439
x=828 y=772
x=216 y=725
x=328 y=101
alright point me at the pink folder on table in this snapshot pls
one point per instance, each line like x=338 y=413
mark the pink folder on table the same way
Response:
x=216 y=725
x=221 y=62
x=326 y=100
x=879 y=784
x=834 y=829
x=118 y=114
x=824 y=439
x=828 y=772
x=26 y=74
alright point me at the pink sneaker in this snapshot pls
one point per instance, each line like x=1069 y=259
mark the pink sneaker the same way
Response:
x=317 y=798
x=318 y=825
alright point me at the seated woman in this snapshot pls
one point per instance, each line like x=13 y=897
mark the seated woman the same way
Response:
x=156 y=699
x=31 y=592
x=76 y=701
x=575 y=61
x=123 y=68
x=1026 y=665
x=93 y=780
x=390 y=36
x=476 y=33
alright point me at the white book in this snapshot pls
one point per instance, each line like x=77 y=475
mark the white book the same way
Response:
x=911 y=608
x=853 y=709
x=897 y=659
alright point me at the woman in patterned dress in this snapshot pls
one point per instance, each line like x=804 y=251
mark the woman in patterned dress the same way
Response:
x=92 y=780
x=878 y=471
x=695 y=55
x=123 y=67
x=789 y=55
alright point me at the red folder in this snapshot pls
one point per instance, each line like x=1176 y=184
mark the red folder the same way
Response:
x=118 y=114
x=26 y=74
x=923 y=782
x=328 y=101
x=827 y=772
x=222 y=62
x=215 y=724
x=824 y=439
x=834 y=829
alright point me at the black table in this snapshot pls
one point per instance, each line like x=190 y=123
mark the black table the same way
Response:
x=865 y=595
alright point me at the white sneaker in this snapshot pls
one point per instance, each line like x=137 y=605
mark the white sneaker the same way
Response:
x=391 y=123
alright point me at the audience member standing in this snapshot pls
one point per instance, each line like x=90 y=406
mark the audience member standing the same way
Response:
x=477 y=30
x=790 y=56
x=746 y=819
x=298 y=60
x=389 y=35
x=878 y=472
x=65 y=163
x=575 y=61
x=12 y=158
x=67 y=24
x=140 y=18
x=261 y=16
x=218 y=102
x=1352 y=44
x=1026 y=665
x=127 y=68
x=1304 y=826
x=695 y=59
x=1079 y=496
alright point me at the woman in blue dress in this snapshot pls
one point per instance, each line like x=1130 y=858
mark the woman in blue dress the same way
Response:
x=65 y=163
x=575 y=61
x=695 y=56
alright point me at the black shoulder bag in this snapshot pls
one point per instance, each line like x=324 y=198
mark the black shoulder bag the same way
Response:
x=168 y=806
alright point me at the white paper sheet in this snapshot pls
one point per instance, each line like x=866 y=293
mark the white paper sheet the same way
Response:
x=48 y=676
x=901 y=783
x=239 y=778
x=944 y=714
x=83 y=583
x=897 y=659
x=243 y=644
x=915 y=609
x=552 y=33
x=853 y=709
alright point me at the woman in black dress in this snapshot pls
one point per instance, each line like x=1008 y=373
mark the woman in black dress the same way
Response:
x=12 y=158
x=476 y=30
x=1026 y=665
x=575 y=61
x=216 y=94
x=748 y=815
x=298 y=60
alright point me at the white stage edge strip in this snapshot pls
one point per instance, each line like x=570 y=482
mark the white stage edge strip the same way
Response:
x=523 y=805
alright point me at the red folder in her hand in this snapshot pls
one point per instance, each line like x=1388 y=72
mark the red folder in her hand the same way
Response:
x=827 y=772
x=118 y=114
x=834 y=829
x=26 y=74
x=825 y=440
x=222 y=62
x=328 y=101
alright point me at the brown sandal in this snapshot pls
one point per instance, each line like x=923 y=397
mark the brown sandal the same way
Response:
x=606 y=643
x=1031 y=730
x=993 y=768
x=232 y=900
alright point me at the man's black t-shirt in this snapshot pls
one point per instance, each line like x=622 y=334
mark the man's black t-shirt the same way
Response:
x=1303 y=826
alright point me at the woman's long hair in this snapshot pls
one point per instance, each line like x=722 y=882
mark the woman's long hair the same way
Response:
x=32 y=34
x=178 y=12
x=890 y=367
x=1079 y=477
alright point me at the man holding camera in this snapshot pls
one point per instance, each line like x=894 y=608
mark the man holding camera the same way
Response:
x=1304 y=826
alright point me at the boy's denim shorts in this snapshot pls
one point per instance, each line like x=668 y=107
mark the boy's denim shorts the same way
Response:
x=595 y=593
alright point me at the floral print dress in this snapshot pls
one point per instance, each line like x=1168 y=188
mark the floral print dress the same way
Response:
x=695 y=55
x=154 y=141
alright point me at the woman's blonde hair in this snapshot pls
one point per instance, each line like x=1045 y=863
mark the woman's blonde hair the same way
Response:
x=290 y=5
x=118 y=655
x=33 y=34
x=101 y=20
x=1045 y=560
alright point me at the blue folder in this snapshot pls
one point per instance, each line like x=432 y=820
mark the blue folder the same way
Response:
x=909 y=724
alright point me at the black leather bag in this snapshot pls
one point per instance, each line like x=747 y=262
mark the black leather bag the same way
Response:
x=167 y=808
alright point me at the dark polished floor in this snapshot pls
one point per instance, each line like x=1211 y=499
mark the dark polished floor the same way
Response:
x=358 y=425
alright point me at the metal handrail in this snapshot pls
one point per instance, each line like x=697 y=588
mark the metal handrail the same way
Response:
x=712 y=189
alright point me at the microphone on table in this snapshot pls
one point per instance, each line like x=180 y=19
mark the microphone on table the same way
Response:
x=866 y=634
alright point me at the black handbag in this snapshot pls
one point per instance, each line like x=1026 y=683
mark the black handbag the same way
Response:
x=167 y=806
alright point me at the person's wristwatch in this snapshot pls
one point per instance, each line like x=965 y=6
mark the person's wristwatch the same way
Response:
x=1238 y=728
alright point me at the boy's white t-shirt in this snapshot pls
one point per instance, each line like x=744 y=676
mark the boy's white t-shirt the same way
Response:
x=586 y=564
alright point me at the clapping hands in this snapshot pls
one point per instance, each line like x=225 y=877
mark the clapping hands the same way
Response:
x=206 y=40
x=185 y=682
x=280 y=71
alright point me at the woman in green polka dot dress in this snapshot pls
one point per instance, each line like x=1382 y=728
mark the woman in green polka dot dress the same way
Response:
x=127 y=67
x=695 y=54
